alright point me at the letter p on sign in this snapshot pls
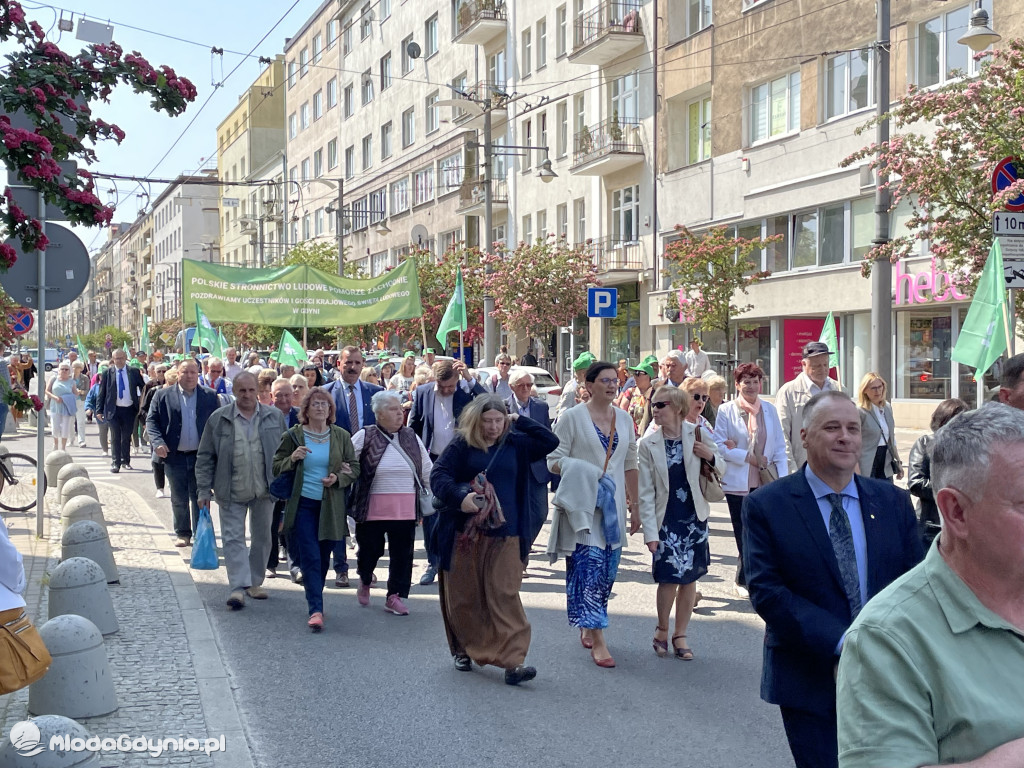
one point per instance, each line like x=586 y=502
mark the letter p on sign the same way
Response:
x=602 y=302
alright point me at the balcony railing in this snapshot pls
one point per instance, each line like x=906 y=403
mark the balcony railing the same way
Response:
x=473 y=191
x=615 y=252
x=485 y=90
x=470 y=13
x=609 y=17
x=606 y=138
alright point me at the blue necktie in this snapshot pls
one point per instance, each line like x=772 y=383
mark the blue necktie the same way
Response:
x=120 y=384
x=842 y=543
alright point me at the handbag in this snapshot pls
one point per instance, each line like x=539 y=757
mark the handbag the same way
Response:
x=23 y=655
x=710 y=483
x=204 y=548
x=424 y=498
x=895 y=464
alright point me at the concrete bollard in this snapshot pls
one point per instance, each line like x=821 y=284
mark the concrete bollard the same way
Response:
x=79 y=586
x=81 y=508
x=17 y=749
x=67 y=472
x=78 y=683
x=87 y=538
x=77 y=486
x=54 y=461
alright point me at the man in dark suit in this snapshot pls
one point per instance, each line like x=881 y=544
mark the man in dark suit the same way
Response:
x=817 y=545
x=523 y=403
x=120 y=390
x=349 y=392
x=175 y=423
x=434 y=416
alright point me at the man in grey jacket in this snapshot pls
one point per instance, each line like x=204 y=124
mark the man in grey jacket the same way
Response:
x=235 y=466
x=793 y=396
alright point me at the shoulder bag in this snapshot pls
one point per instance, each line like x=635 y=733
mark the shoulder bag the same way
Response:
x=895 y=464
x=769 y=473
x=710 y=483
x=424 y=498
x=23 y=655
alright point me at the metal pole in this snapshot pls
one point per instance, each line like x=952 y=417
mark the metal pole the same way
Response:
x=1011 y=332
x=881 y=274
x=41 y=376
x=340 y=235
x=490 y=328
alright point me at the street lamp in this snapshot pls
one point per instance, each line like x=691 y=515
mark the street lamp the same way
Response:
x=979 y=35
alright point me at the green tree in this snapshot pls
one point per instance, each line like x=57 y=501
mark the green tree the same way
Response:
x=98 y=340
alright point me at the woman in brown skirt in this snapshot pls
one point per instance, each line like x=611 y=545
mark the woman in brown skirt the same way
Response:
x=481 y=482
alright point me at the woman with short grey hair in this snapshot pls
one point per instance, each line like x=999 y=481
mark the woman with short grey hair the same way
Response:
x=394 y=465
x=499 y=382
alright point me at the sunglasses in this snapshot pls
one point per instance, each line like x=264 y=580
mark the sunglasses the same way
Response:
x=660 y=404
x=701 y=398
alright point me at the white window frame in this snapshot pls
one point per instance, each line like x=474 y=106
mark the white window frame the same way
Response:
x=948 y=37
x=562 y=118
x=625 y=218
x=386 y=140
x=303 y=62
x=561 y=31
x=423 y=185
x=304 y=116
x=625 y=97
x=366 y=147
x=542 y=44
x=366 y=87
x=432 y=119
x=450 y=172
x=409 y=127
x=385 y=71
x=407 y=61
x=703 y=105
x=365 y=26
x=293 y=125
x=293 y=70
x=318 y=105
x=332 y=154
x=332 y=93
x=701 y=9
x=846 y=60
x=526 y=53
x=350 y=161
x=318 y=47
x=349 y=96
x=332 y=33
x=430 y=36
x=318 y=163
x=787 y=84
x=400 y=196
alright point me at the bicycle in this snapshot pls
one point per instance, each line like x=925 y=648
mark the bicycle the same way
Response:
x=18 y=482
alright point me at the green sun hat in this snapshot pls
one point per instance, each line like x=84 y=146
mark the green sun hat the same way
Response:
x=651 y=360
x=409 y=354
x=429 y=351
x=645 y=367
x=584 y=361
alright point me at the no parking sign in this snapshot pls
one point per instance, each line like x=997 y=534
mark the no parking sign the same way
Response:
x=20 y=320
x=1003 y=176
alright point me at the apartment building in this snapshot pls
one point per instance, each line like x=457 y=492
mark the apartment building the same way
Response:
x=760 y=103
x=250 y=158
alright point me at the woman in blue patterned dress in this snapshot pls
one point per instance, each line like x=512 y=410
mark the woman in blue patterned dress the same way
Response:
x=673 y=513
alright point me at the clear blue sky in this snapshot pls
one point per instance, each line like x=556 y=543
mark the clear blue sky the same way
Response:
x=234 y=25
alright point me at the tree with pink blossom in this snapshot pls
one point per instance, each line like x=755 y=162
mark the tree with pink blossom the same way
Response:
x=50 y=89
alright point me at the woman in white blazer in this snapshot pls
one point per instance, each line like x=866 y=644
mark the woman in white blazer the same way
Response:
x=877 y=431
x=673 y=512
x=739 y=420
x=595 y=440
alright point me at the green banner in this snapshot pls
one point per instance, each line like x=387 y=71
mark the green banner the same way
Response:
x=298 y=296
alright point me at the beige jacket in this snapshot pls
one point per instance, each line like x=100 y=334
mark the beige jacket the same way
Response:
x=789 y=402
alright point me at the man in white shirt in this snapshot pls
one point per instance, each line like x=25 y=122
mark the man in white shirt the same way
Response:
x=793 y=396
x=697 y=362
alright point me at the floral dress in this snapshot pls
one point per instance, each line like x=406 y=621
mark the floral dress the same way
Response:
x=683 y=553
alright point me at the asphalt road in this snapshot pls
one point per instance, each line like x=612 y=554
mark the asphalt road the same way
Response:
x=379 y=690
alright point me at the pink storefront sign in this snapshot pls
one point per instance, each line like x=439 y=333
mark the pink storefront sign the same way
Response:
x=924 y=287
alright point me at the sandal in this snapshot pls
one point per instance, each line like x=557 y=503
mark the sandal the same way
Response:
x=686 y=654
x=661 y=646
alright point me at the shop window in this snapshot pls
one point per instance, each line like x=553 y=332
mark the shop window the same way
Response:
x=925 y=341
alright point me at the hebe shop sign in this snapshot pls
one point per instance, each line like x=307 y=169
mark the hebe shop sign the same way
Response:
x=924 y=287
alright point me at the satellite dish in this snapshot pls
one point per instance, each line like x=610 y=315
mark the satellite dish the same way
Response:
x=413 y=49
x=419 y=235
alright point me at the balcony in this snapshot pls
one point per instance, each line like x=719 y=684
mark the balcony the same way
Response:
x=471 y=197
x=614 y=254
x=607 y=147
x=607 y=33
x=495 y=95
x=477 y=22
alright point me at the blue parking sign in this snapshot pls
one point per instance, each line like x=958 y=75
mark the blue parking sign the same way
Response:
x=602 y=302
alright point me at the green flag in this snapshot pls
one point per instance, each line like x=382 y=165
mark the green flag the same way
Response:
x=222 y=343
x=81 y=349
x=983 y=338
x=127 y=351
x=455 y=315
x=206 y=336
x=828 y=338
x=144 y=338
x=289 y=351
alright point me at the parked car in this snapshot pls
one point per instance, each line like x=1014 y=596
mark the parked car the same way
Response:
x=543 y=381
x=52 y=358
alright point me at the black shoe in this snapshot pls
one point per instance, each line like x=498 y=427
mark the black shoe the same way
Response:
x=115 y=468
x=519 y=674
x=428 y=576
x=463 y=664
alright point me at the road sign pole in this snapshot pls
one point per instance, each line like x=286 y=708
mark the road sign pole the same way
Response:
x=41 y=377
x=1011 y=312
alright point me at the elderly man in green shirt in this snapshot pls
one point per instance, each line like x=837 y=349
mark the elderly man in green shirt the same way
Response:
x=932 y=671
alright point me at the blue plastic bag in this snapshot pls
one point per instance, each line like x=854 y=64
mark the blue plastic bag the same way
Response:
x=204 y=547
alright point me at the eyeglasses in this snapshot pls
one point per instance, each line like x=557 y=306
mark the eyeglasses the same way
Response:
x=216 y=370
x=606 y=382
x=504 y=362
x=701 y=398
x=660 y=404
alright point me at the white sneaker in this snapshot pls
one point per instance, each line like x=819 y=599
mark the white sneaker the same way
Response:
x=742 y=591
x=159 y=493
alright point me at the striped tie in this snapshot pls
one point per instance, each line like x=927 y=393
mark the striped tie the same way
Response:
x=842 y=543
x=353 y=408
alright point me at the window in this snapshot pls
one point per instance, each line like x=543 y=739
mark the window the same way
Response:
x=542 y=225
x=385 y=140
x=385 y=71
x=332 y=154
x=432 y=116
x=303 y=62
x=319 y=221
x=579 y=212
x=407 y=60
x=562 y=115
x=360 y=210
x=626 y=214
x=561 y=31
x=378 y=263
x=698 y=130
x=423 y=185
x=751 y=3
x=304 y=116
x=542 y=43
x=385 y=9
x=378 y=205
x=526 y=53
x=318 y=105
x=430 y=36
x=698 y=16
x=862 y=220
x=496 y=69
x=626 y=97
x=318 y=164
x=364 y=21
x=450 y=172
x=579 y=113
x=332 y=93
x=527 y=229
x=542 y=137
x=458 y=84
x=346 y=41
x=400 y=196
x=293 y=125
x=318 y=48
x=450 y=240
x=562 y=220
x=293 y=173
x=939 y=54
x=292 y=69
x=349 y=100
x=408 y=127
x=775 y=108
x=367 y=87
x=527 y=142
x=367 y=151
x=332 y=32
x=305 y=170
x=350 y=162
x=848 y=83
x=306 y=227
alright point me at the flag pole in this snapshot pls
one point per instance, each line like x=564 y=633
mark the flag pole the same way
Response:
x=423 y=331
x=462 y=349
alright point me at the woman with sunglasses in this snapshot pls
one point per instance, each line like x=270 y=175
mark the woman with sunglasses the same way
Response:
x=750 y=436
x=597 y=450
x=673 y=512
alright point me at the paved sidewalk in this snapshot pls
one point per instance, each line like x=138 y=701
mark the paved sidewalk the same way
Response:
x=164 y=659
